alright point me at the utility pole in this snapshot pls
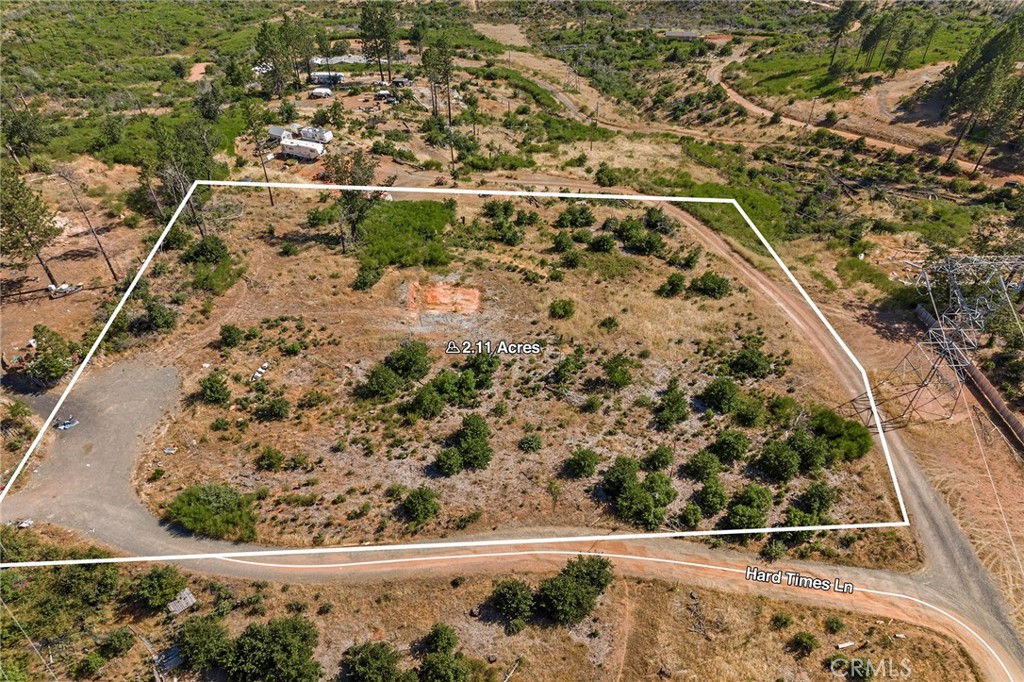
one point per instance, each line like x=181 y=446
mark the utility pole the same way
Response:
x=810 y=116
x=68 y=176
x=263 y=162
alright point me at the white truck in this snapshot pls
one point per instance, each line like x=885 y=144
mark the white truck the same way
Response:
x=314 y=134
x=302 y=149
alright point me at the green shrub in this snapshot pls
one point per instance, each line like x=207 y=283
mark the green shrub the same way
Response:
x=472 y=442
x=421 y=505
x=381 y=383
x=313 y=398
x=158 y=586
x=442 y=639
x=51 y=359
x=749 y=411
x=575 y=216
x=118 y=643
x=513 y=599
x=672 y=407
x=691 y=516
x=571 y=596
x=659 y=458
x=531 y=442
x=750 y=363
x=204 y=643
x=89 y=665
x=426 y=404
x=711 y=498
x=276 y=409
x=213 y=389
x=210 y=250
x=581 y=463
x=371 y=662
x=270 y=459
x=730 y=445
x=214 y=510
x=848 y=440
x=673 y=286
x=411 y=362
x=562 y=309
x=781 y=620
x=804 y=643
x=779 y=461
x=281 y=649
x=449 y=461
x=818 y=498
x=710 y=285
x=721 y=395
x=703 y=466
x=834 y=625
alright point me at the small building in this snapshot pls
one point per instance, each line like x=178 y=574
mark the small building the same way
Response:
x=313 y=134
x=326 y=78
x=321 y=93
x=402 y=82
x=302 y=149
x=277 y=133
x=678 y=34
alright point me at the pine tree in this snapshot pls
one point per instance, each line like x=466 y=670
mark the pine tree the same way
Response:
x=840 y=22
x=27 y=226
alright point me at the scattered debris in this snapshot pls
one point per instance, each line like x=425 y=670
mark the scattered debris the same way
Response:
x=258 y=374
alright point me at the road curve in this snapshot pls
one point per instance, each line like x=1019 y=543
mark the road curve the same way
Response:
x=715 y=76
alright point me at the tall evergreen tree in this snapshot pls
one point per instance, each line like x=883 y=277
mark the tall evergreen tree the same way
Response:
x=840 y=22
x=27 y=226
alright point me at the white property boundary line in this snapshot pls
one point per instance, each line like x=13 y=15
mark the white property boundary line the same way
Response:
x=467 y=543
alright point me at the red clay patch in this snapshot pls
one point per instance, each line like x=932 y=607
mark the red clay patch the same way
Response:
x=443 y=298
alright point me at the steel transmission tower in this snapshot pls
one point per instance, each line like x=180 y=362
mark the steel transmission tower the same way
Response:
x=965 y=293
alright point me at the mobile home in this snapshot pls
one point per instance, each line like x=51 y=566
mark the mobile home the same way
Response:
x=321 y=93
x=312 y=134
x=302 y=149
x=326 y=78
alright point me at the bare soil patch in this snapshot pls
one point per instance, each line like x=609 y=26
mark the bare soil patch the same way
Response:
x=197 y=71
x=507 y=34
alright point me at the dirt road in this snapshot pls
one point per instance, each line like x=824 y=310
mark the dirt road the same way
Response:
x=714 y=75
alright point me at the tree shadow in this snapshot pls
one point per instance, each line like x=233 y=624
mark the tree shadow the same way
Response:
x=76 y=255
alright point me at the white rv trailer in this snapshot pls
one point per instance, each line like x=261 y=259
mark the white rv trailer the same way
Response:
x=313 y=134
x=321 y=93
x=302 y=149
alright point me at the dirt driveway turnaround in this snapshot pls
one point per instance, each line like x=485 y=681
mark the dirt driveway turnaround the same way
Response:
x=84 y=480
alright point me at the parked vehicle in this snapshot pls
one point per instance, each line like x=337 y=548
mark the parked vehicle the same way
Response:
x=321 y=93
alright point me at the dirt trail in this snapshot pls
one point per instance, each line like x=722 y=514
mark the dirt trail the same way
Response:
x=992 y=176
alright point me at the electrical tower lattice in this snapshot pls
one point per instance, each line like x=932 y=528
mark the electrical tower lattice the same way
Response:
x=928 y=382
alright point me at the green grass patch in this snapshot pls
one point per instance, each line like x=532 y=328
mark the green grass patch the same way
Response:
x=610 y=265
x=519 y=82
x=402 y=233
x=853 y=270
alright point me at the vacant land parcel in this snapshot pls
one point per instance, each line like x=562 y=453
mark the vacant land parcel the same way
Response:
x=359 y=369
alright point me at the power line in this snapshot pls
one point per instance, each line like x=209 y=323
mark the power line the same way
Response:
x=31 y=643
